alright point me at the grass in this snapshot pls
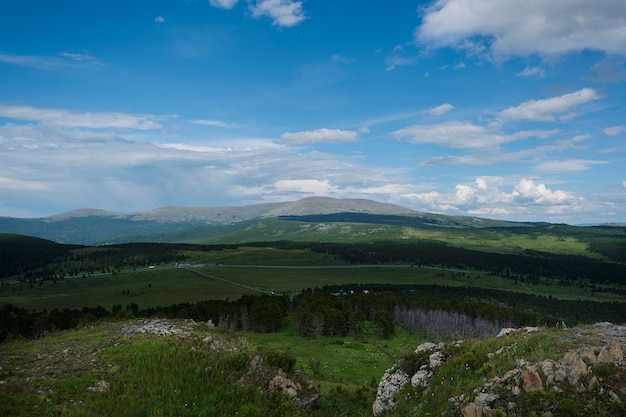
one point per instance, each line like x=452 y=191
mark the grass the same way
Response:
x=350 y=362
x=145 y=288
x=152 y=376
x=168 y=376
x=163 y=287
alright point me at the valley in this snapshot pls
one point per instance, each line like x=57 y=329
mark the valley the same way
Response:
x=327 y=301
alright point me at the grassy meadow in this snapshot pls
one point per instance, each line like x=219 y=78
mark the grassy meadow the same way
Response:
x=169 y=285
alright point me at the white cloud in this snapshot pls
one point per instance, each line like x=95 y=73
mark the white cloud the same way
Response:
x=568 y=165
x=159 y=19
x=223 y=4
x=59 y=62
x=397 y=58
x=462 y=135
x=623 y=184
x=441 y=109
x=533 y=155
x=550 y=109
x=527 y=190
x=319 y=136
x=522 y=28
x=284 y=13
x=309 y=186
x=98 y=120
x=532 y=72
x=214 y=123
x=487 y=197
x=614 y=130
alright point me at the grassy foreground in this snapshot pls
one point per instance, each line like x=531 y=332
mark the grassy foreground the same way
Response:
x=103 y=370
x=170 y=376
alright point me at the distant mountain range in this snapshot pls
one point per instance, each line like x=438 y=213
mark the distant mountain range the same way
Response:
x=207 y=224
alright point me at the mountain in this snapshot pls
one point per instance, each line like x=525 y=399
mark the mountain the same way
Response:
x=270 y=221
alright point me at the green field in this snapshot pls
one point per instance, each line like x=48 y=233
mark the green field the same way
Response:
x=168 y=285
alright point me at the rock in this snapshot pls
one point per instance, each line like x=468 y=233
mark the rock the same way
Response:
x=576 y=367
x=507 y=331
x=614 y=397
x=486 y=398
x=420 y=379
x=472 y=410
x=532 y=380
x=587 y=354
x=285 y=385
x=428 y=346
x=100 y=386
x=436 y=360
x=390 y=384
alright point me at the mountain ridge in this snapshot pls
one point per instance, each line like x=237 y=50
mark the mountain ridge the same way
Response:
x=94 y=226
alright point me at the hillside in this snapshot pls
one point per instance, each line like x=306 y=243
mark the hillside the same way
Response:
x=176 y=224
x=180 y=367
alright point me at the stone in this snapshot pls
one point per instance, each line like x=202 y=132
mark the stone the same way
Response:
x=281 y=383
x=390 y=384
x=420 y=379
x=472 y=410
x=100 y=386
x=587 y=354
x=614 y=397
x=507 y=331
x=486 y=398
x=532 y=380
x=575 y=366
x=436 y=360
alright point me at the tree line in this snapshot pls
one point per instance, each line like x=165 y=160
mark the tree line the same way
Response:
x=433 y=311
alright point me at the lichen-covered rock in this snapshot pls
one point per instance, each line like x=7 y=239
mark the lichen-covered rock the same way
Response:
x=391 y=383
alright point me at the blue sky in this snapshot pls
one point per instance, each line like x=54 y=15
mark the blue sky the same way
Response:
x=509 y=109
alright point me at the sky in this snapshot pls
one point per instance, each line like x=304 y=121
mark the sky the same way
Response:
x=498 y=109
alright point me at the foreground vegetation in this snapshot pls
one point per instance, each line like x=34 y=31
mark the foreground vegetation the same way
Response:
x=107 y=369
x=336 y=314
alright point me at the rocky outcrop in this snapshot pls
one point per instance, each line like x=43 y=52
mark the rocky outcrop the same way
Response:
x=159 y=327
x=573 y=370
x=600 y=347
x=395 y=378
x=390 y=384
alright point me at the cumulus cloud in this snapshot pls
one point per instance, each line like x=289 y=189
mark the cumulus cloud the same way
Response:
x=223 y=4
x=65 y=118
x=614 y=130
x=284 y=13
x=487 y=196
x=521 y=28
x=550 y=109
x=319 y=136
x=441 y=109
x=159 y=19
x=527 y=190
